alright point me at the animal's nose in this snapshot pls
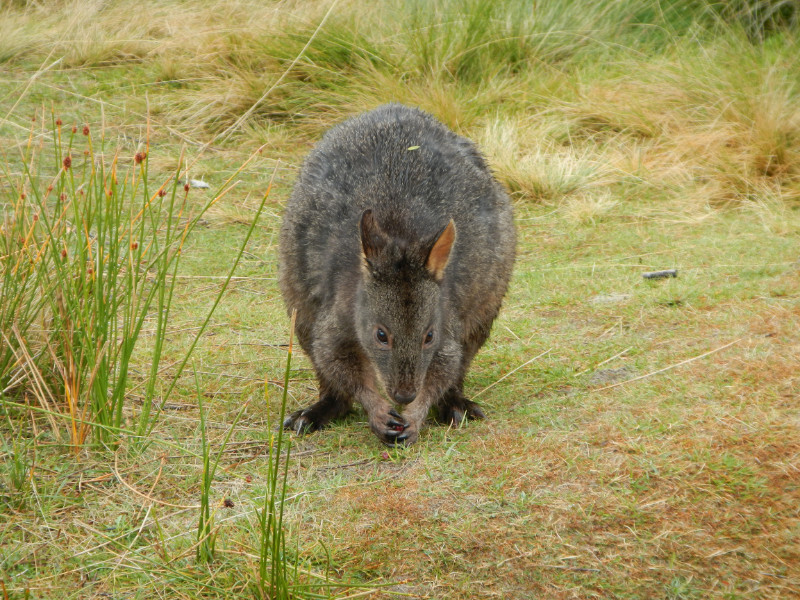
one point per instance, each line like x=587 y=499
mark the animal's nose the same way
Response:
x=404 y=397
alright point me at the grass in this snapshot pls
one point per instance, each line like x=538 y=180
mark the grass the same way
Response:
x=650 y=451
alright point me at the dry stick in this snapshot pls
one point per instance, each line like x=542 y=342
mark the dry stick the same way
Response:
x=525 y=364
x=235 y=278
x=600 y=364
x=683 y=362
x=360 y=594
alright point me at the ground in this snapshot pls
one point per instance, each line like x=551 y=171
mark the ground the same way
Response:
x=641 y=437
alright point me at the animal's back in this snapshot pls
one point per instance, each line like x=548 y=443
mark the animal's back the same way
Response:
x=416 y=175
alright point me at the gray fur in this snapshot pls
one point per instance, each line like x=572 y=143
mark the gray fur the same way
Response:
x=357 y=254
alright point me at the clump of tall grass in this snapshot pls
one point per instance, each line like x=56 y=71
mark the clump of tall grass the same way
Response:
x=206 y=532
x=759 y=18
x=306 y=63
x=274 y=578
x=15 y=489
x=532 y=165
x=302 y=65
x=90 y=250
x=277 y=575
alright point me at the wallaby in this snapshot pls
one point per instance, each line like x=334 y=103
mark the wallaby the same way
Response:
x=396 y=249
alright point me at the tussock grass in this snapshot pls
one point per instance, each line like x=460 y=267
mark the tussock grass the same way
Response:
x=632 y=135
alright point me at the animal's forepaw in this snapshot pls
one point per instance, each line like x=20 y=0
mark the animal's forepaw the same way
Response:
x=409 y=435
x=302 y=421
x=454 y=411
x=389 y=426
x=318 y=415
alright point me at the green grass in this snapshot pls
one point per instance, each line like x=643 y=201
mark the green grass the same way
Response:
x=633 y=136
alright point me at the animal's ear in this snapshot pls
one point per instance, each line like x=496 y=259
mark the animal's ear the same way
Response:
x=373 y=239
x=440 y=251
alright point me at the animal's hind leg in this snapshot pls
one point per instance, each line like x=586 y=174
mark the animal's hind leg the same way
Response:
x=454 y=407
x=331 y=405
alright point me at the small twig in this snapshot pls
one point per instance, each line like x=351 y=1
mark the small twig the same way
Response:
x=661 y=274
x=683 y=362
x=510 y=558
x=234 y=278
x=608 y=360
x=568 y=568
x=345 y=466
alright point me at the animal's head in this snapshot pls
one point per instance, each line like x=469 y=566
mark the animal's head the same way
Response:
x=399 y=316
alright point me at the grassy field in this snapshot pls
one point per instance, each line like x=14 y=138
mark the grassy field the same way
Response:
x=643 y=436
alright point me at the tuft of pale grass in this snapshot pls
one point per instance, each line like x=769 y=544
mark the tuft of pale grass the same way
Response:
x=772 y=209
x=532 y=165
x=17 y=34
x=588 y=208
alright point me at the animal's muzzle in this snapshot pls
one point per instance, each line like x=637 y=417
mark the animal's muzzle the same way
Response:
x=404 y=397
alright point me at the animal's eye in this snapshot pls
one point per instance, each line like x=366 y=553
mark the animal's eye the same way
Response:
x=381 y=336
x=429 y=337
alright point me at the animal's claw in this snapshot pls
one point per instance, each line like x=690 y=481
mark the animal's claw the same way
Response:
x=299 y=422
x=474 y=411
x=396 y=426
x=455 y=410
x=408 y=437
x=388 y=426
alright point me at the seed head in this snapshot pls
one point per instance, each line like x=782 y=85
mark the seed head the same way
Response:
x=85 y=130
x=228 y=503
x=89 y=271
x=162 y=192
x=62 y=197
x=63 y=253
x=134 y=245
x=186 y=187
x=67 y=161
x=74 y=129
x=35 y=217
x=23 y=195
x=59 y=122
x=49 y=188
x=139 y=157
